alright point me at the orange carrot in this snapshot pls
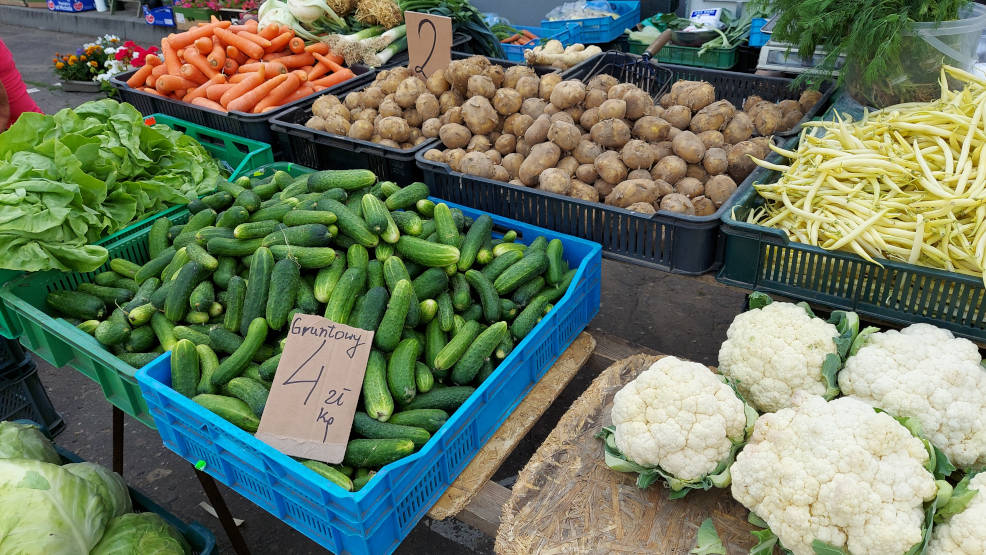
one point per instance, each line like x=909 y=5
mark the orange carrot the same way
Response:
x=192 y=73
x=302 y=74
x=206 y=103
x=250 y=81
x=215 y=91
x=219 y=79
x=297 y=60
x=234 y=53
x=275 y=55
x=333 y=65
x=279 y=93
x=152 y=60
x=253 y=37
x=159 y=70
x=239 y=77
x=279 y=42
x=151 y=90
x=140 y=76
x=251 y=98
x=193 y=57
x=179 y=93
x=230 y=66
x=319 y=47
x=245 y=46
x=318 y=88
x=249 y=25
x=270 y=31
x=334 y=79
x=203 y=45
x=298 y=94
x=296 y=45
x=171 y=60
x=318 y=70
x=171 y=83
x=216 y=56
x=271 y=68
x=528 y=34
x=181 y=40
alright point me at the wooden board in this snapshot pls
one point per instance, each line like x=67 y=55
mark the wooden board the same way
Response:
x=476 y=475
x=566 y=500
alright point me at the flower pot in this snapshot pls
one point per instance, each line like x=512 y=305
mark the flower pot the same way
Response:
x=195 y=14
x=69 y=85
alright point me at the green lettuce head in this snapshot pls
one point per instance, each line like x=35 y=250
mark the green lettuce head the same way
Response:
x=141 y=533
x=25 y=441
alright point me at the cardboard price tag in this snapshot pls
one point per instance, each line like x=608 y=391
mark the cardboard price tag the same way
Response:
x=429 y=42
x=316 y=388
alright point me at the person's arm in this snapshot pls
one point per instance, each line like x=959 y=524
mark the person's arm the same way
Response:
x=4 y=108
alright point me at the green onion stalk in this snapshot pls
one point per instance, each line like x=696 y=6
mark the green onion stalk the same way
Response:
x=392 y=49
x=465 y=18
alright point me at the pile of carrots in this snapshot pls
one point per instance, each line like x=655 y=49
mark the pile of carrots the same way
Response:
x=240 y=68
x=523 y=36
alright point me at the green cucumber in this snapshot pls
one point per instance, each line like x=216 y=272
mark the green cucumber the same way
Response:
x=351 y=224
x=109 y=295
x=508 y=309
x=348 y=180
x=330 y=474
x=388 y=333
x=307 y=235
x=427 y=228
x=198 y=254
x=357 y=257
x=164 y=330
x=258 y=287
x=388 y=188
x=435 y=341
x=301 y=217
x=476 y=237
x=370 y=428
x=508 y=247
x=305 y=299
x=249 y=200
x=526 y=293
x=141 y=315
x=231 y=409
x=375 y=214
x=332 y=194
x=297 y=187
x=372 y=310
x=530 y=266
x=445 y=225
x=195 y=336
x=106 y=278
x=224 y=341
x=445 y=311
x=184 y=368
x=197 y=317
x=383 y=251
x=235 y=364
x=528 y=318
x=143 y=294
x=157 y=237
x=173 y=232
x=431 y=283
x=461 y=297
x=429 y=419
x=474 y=312
x=400 y=371
x=250 y=391
x=427 y=253
x=203 y=235
x=124 y=267
x=202 y=296
x=266 y=190
x=423 y=378
x=510 y=236
x=232 y=217
x=552 y=294
x=556 y=264
x=327 y=279
x=449 y=355
x=344 y=295
x=225 y=271
x=257 y=229
x=137 y=360
x=375 y=453
x=222 y=246
x=235 y=295
x=171 y=270
x=539 y=244
x=268 y=368
x=208 y=364
x=446 y=398
x=487 y=294
x=234 y=188
x=407 y=222
x=425 y=207
x=501 y=263
x=283 y=292
x=275 y=211
x=407 y=196
x=427 y=310
x=196 y=222
x=485 y=371
x=111 y=332
x=140 y=340
x=374 y=274
x=307 y=257
x=176 y=303
x=482 y=348
x=377 y=399
x=505 y=347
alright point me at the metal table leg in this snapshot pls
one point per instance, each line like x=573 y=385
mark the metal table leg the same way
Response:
x=118 y=441
x=225 y=517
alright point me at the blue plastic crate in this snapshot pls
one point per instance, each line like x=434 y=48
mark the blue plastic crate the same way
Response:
x=378 y=517
x=601 y=29
x=565 y=35
x=757 y=37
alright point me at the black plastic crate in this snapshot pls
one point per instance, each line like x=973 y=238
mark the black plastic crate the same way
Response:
x=320 y=150
x=11 y=355
x=23 y=397
x=241 y=124
x=730 y=85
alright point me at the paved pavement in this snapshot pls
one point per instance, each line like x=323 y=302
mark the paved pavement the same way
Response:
x=669 y=313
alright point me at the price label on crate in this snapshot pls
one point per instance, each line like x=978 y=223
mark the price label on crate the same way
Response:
x=311 y=404
x=429 y=42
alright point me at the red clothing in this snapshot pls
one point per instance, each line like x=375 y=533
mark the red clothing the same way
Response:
x=20 y=101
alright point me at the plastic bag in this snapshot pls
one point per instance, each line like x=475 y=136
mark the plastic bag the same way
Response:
x=581 y=9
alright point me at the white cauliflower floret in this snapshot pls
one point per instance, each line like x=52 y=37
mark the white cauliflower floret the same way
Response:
x=838 y=472
x=679 y=416
x=965 y=532
x=774 y=351
x=925 y=372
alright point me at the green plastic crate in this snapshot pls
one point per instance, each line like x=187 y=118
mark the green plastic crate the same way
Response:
x=61 y=344
x=715 y=58
x=235 y=154
x=764 y=259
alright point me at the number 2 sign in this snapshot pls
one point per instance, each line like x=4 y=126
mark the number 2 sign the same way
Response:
x=429 y=42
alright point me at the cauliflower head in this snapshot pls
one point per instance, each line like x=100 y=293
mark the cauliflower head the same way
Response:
x=838 y=472
x=774 y=351
x=964 y=533
x=927 y=373
x=680 y=416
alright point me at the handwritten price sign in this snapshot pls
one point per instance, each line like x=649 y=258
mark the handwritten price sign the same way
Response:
x=429 y=42
x=310 y=407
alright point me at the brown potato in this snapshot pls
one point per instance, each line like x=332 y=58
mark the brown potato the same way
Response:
x=589 y=118
x=538 y=131
x=808 y=99
x=512 y=163
x=719 y=188
x=513 y=73
x=394 y=128
x=507 y=101
x=479 y=115
x=554 y=180
x=698 y=172
x=711 y=139
x=603 y=187
x=368 y=114
x=551 y=109
x=476 y=163
x=670 y=169
x=594 y=98
x=412 y=117
x=522 y=147
x=751 y=102
x=740 y=164
x=533 y=107
x=353 y=99
x=528 y=86
x=713 y=117
x=568 y=93
x=639 y=174
x=516 y=182
x=393 y=144
x=501 y=174
x=631 y=192
x=586 y=152
x=613 y=108
x=603 y=82
x=494 y=156
x=679 y=203
x=663 y=187
x=418 y=140
x=583 y=191
x=703 y=206
x=767 y=118
x=651 y=129
x=695 y=95
x=453 y=157
x=452 y=116
x=561 y=116
x=587 y=173
x=637 y=154
x=517 y=124
x=436 y=83
x=739 y=129
x=568 y=164
x=337 y=125
x=496 y=74
x=655 y=110
x=662 y=149
x=642 y=207
x=541 y=157
x=480 y=85
x=449 y=100
x=427 y=106
x=408 y=91
x=665 y=101
x=610 y=133
x=687 y=147
x=454 y=135
x=389 y=107
x=789 y=105
x=315 y=122
x=689 y=186
x=505 y=143
x=548 y=82
x=478 y=143
x=620 y=89
x=361 y=129
x=431 y=127
x=790 y=119
x=637 y=103
x=565 y=135
x=610 y=167
x=434 y=155
x=673 y=132
x=715 y=161
x=575 y=112
x=459 y=71
x=678 y=116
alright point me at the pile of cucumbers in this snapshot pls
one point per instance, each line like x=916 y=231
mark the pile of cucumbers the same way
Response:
x=445 y=299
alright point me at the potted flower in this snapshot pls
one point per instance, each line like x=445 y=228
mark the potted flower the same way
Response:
x=240 y=7
x=123 y=58
x=91 y=66
x=197 y=10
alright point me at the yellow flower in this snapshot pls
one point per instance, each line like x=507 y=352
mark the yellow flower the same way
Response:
x=59 y=65
x=83 y=57
x=72 y=58
x=93 y=63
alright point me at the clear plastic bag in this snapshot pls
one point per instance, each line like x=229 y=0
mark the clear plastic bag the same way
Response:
x=581 y=9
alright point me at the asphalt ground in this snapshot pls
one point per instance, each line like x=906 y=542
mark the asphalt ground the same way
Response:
x=669 y=313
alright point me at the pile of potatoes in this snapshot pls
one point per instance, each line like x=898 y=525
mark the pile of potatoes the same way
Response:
x=601 y=141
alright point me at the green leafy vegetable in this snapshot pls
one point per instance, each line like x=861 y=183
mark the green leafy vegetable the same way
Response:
x=141 y=533
x=109 y=485
x=24 y=441
x=72 y=178
x=707 y=541
x=957 y=501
